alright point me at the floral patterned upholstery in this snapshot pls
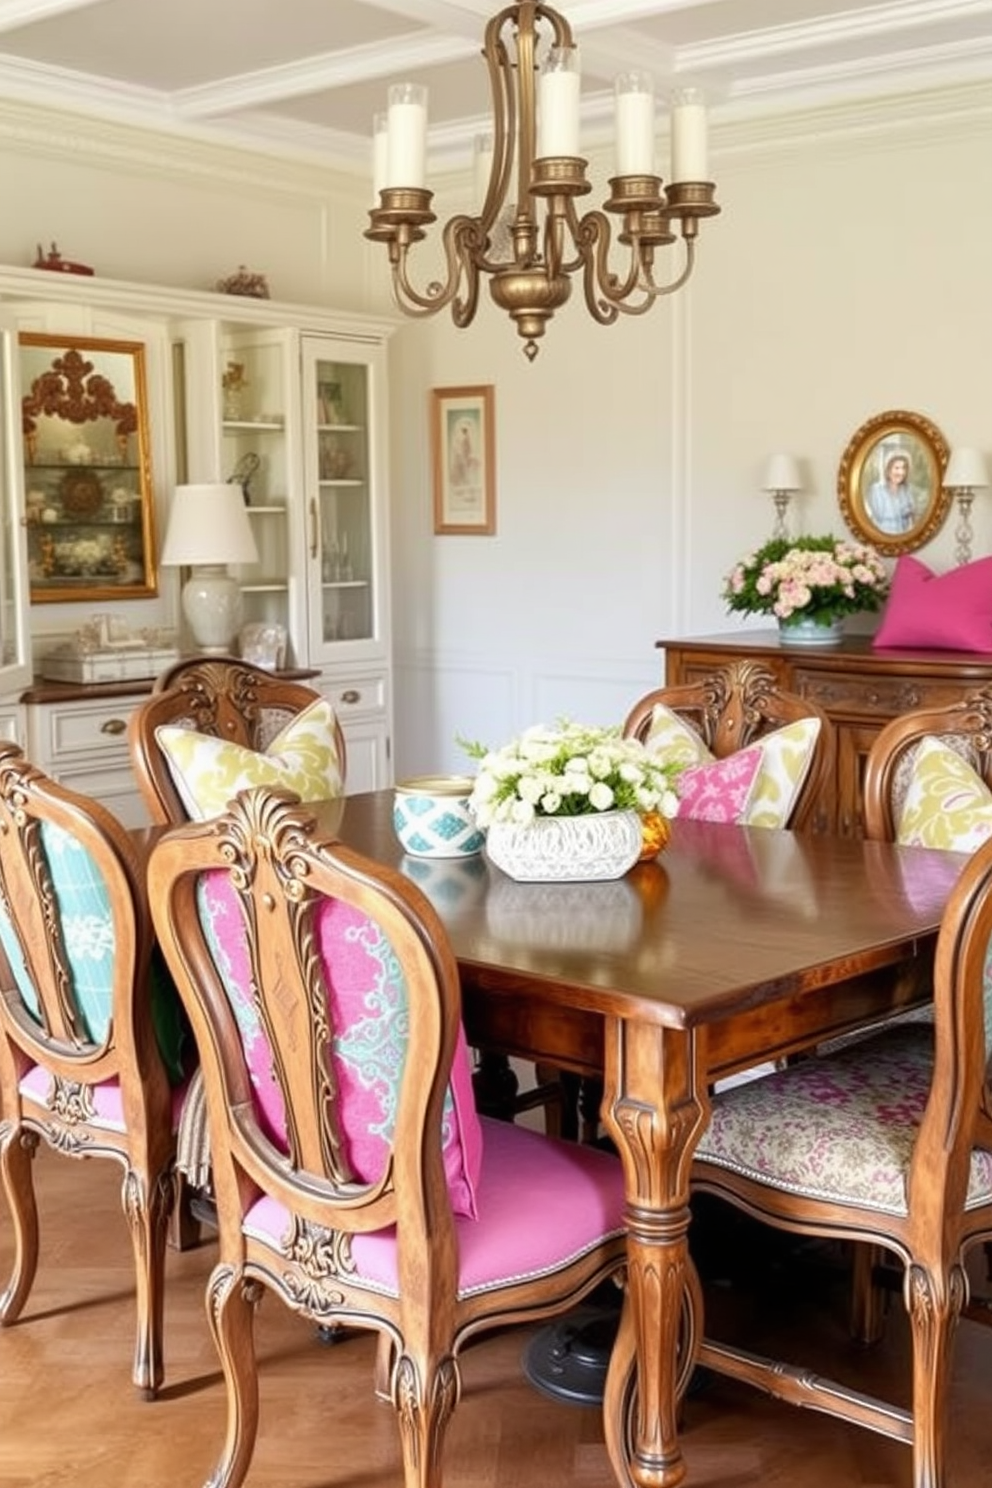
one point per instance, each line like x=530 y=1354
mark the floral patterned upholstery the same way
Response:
x=369 y=1015
x=840 y=1128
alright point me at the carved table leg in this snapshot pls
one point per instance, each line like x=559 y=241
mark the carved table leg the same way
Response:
x=655 y=1108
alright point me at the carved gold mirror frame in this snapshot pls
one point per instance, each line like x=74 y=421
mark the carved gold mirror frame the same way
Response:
x=88 y=496
x=890 y=484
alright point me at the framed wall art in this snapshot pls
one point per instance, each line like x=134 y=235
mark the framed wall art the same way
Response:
x=891 y=482
x=464 y=458
x=87 y=469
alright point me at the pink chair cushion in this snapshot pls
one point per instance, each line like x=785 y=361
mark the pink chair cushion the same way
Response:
x=938 y=612
x=108 y=1103
x=540 y=1203
x=369 y=1014
x=721 y=790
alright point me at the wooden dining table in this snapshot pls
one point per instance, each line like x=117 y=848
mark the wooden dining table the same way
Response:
x=734 y=947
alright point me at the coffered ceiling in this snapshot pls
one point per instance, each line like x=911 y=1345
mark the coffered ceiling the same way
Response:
x=303 y=77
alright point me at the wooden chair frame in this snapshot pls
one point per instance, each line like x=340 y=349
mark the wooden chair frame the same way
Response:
x=281 y=868
x=66 y=1118
x=736 y=705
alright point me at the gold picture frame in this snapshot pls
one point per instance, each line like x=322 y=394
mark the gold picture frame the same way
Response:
x=464 y=459
x=89 y=502
x=890 y=483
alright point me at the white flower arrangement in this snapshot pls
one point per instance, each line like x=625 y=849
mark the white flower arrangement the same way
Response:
x=568 y=770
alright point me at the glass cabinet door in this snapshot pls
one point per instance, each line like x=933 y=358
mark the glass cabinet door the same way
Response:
x=345 y=604
x=15 y=647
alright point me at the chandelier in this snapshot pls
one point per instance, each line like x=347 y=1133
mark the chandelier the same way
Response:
x=531 y=243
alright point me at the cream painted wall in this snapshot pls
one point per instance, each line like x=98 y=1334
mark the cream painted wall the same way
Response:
x=847 y=275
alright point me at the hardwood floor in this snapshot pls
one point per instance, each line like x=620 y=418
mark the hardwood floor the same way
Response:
x=69 y=1416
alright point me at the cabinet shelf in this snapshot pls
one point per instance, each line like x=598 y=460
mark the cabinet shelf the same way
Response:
x=113 y=467
x=353 y=480
x=344 y=584
x=254 y=426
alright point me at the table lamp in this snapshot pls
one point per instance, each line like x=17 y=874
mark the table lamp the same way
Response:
x=781 y=479
x=209 y=528
x=965 y=474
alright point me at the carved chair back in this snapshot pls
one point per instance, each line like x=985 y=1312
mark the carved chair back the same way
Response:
x=80 y=1062
x=334 y=1133
x=965 y=727
x=221 y=696
x=732 y=708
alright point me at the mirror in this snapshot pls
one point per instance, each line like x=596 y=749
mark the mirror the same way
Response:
x=87 y=471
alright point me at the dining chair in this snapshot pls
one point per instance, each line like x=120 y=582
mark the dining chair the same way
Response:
x=742 y=706
x=94 y=1052
x=882 y=1142
x=211 y=726
x=354 y=1178
x=927 y=782
x=229 y=702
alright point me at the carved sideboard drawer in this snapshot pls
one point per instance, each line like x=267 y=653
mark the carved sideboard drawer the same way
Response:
x=873 y=697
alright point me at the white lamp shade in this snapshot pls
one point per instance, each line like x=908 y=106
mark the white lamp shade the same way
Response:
x=965 y=469
x=209 y=524
x=209 y=528
x=781 y=474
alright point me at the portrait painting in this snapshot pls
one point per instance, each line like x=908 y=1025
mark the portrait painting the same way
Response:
x=462 y=442
x=890 y=483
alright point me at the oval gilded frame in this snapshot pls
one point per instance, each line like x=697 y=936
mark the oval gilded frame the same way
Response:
x=873 y=512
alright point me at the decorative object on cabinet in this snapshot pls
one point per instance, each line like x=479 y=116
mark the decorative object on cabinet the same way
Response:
x=247 y=466
x=966 y=473
x=808 y=584
x=891 y=483
x=55 y=263
x=244 y=282
x=536 y=128
x=263 y=645
x=464 y=450
x=87 y=469
x=939 y=612
x=208 y=529
x=781 y=480
x=105 y=650
x=859 y=689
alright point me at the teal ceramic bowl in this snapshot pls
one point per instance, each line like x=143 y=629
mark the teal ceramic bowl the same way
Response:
x=432 y=819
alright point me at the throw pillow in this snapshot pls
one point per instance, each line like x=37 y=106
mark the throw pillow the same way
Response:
x=947 y=804
x=785 y=758
x=369 y=1014
x=950 y=612
x=208 y=772
x=720 y=791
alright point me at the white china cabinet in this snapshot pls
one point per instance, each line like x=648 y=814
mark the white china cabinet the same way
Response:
x=289 y=402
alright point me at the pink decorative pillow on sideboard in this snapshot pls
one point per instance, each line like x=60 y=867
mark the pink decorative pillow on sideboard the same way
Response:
x=938 y=612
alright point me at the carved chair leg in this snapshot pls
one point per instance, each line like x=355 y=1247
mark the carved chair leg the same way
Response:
x=231 y=1303
x=934 y=1306
x=17 y=1149
x=147 y=1207
x=425 y=1399
x=382 y=1379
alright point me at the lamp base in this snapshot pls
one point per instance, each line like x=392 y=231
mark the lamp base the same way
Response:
x=211 y=602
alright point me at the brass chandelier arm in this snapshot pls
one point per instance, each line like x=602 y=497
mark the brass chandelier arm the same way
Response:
x=462 y=242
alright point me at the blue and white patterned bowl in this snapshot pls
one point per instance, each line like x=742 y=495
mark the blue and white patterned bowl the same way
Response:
x=432 y=819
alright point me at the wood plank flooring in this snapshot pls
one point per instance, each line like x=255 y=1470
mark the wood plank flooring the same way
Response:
x=69 y=1417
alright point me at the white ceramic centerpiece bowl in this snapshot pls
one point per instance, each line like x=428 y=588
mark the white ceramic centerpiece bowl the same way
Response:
x=432 y=819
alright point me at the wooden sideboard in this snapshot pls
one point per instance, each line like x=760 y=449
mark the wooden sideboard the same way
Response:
x=859 y=688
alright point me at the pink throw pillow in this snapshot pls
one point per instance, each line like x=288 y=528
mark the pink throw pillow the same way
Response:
x=938 y=612
x=721 y=790
x=369 y=1015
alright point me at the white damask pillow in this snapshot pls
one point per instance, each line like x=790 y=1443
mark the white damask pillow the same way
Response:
x=208 y=772
x=786 y=756
x=947 y=804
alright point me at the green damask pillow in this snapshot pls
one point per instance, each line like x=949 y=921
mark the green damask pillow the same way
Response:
x=786 y=755
x=208 y=772
x=947 y=804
